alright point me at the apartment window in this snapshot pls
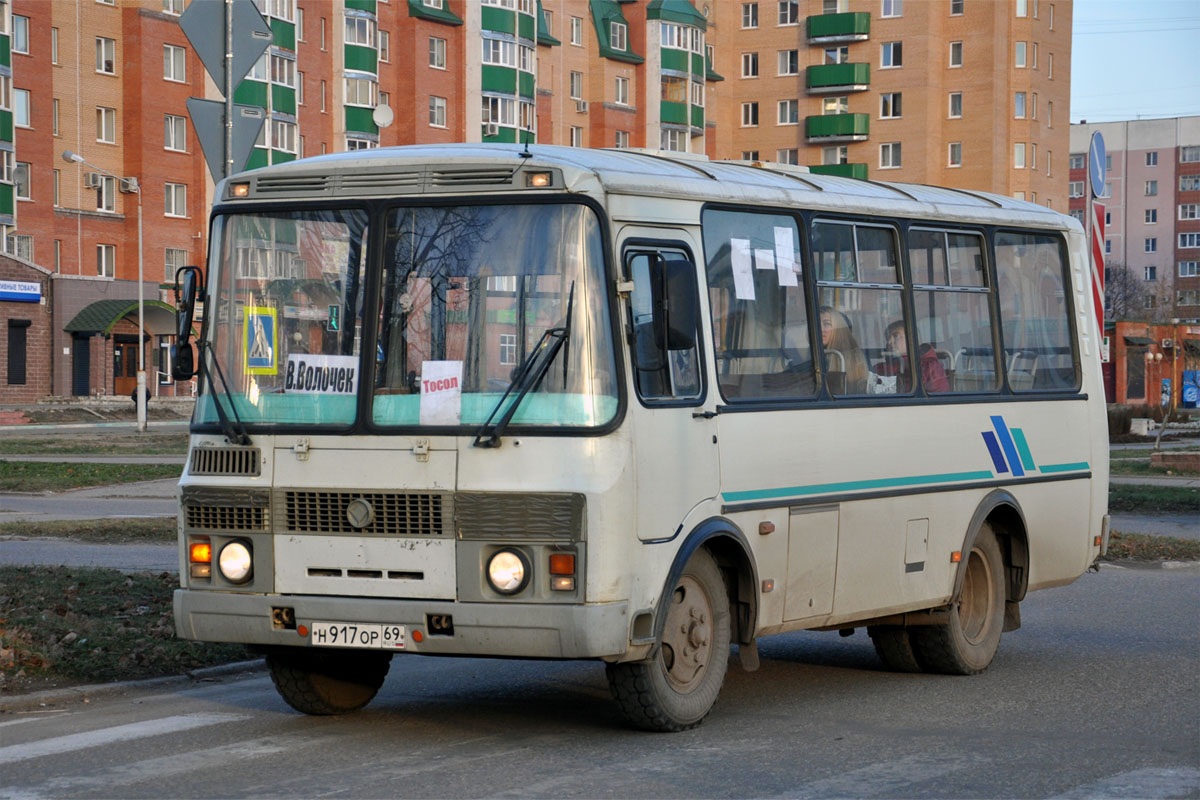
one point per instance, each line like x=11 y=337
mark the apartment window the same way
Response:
x=622 y=91
x=106 y=260
x=437 y=52
x=1189 y=211
x=835 y=105
x=21 y=181
x=833 y=6
x=299 y=24
x=1022 y=8
x=54 y=116
x=1019 y=105
x=174 y=63
x=1151 y=216
x=622 y=139
x=749 y=65
x=1151 y=188
x=1188 y=240
x=322 y=97
x=956 y=8
x=1152 y=158
x=173 y=260
x=106 y=125
x=500 y=52
x=299 y=88
x=1019 y=196
x=835 y=154
x=576 y=136
x=1052 y=16
x=385 y=46
x=892 y=55
x=508 y=348
x=618 y=35
x=1189 y=269
x=697 y=93
x=361 y=92
x=789 y=12
x=837 y=55
x=437 y=112
x=1189 y=297
x=54 y=45
x=360 y=31
x=56 y=183
x=174 y=133
x=955 y=159
x=1050 y=66
x=789 y=112
x=283 y=71
x=21 y=108
x=1108 y=246
x=889 y=155
x=1189 y=154
x=261 y=71
x=789 y=62
x=956 y=54
x=283 y=136
x=1187 y=183
x=21 y=246
x=787 y=156
x=175 y=203
x=283 y=9
x=749 y=115
x=956 y=105
x=20 y=34
x=1075 y=161
x=1049 y=114
x=1150 y=273
x=322 y=33
x=106 y=55
x=576 y=85
x=385 y=99
x=1019 y=155
x=1020 y=54
x=673 y=140
x=1150 y=244
x=749 y=155
x=892 y=8
x=577 y=31
x=354 y=143
x=889 y=105
x=1049 y=161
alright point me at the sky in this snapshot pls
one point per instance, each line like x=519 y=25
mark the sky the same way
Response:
x=1134 y=59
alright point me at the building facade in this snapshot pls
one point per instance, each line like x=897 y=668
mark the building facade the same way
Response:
x=966 y=93
x=1152 y=206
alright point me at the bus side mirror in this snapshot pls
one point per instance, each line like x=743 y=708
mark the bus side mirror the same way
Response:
x=676 y=308
x=183 y=366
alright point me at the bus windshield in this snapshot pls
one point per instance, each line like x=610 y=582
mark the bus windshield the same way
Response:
x=467 y=293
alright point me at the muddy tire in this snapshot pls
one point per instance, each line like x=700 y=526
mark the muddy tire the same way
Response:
x=967 y=643
x=894 y=647
x=677 y=687
x=330 y=683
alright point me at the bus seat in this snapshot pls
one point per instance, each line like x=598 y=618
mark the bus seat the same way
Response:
x=1022 y=368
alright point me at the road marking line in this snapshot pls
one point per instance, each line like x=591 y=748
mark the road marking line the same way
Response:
x=103 y=736
x=1147 y=782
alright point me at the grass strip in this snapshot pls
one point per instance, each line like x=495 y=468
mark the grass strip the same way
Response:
x=35 y=476
x=98 y=531
x=1144 y=547
x=149 y=444
x=1141 y=466
x=1156 y=499
x=63 y=625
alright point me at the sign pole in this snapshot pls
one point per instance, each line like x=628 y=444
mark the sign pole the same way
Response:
x=228 y=90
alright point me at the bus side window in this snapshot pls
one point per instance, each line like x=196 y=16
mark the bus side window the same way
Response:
x=663 y=369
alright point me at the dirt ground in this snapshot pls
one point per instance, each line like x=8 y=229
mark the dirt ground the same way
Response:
x=68 y=414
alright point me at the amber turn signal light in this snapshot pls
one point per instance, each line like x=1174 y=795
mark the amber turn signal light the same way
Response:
x=562 y=564
x=200 y=552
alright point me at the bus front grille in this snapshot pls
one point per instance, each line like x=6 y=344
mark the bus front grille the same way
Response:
x=226 y=461
x=393 y=514
x=225 y=518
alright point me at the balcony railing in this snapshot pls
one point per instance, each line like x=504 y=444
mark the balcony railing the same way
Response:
x=838 y=127
x=841 y=170
x=825 y=28
x=838 y=78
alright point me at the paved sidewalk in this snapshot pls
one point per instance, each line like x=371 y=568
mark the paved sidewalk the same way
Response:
x=1182 y=481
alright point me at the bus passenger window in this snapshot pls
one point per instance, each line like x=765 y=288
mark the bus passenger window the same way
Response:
x=760 y=322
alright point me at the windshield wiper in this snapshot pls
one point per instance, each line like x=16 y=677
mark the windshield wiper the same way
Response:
x=528 y=376
x=235 y=434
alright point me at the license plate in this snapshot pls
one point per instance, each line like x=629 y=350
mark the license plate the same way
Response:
x=366 y=635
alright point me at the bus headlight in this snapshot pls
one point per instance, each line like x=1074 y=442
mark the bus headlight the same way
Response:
x=235 y=562
x=508 y=571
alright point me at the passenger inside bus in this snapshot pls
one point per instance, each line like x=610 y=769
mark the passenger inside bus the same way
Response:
x=845 y=365
x=933 y=374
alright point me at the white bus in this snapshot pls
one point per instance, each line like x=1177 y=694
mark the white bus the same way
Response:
x=628 y=406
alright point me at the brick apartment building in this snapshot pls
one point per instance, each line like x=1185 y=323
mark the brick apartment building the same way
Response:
x=965 y=93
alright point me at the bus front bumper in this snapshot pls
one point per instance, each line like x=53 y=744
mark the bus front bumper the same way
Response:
x=524 y=630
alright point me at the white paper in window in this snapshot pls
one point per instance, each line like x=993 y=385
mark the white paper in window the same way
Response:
x=441 y=392
x=764 y=259
x=743 y=279
x=785 y=257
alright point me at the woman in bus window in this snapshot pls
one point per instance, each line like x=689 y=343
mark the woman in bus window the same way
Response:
x=933 y=374
x=838 y=335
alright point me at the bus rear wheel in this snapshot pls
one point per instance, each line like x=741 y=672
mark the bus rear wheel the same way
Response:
x=967 y=643
x=330 y=683
x=894 y=646
x=676 y=688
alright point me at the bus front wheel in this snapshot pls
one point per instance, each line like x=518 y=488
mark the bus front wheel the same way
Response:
x=676 y=688
x=323 y=684
x=967 y=643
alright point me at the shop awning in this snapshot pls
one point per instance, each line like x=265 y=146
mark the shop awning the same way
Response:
x=102 y=315
x=1191 y=347
x=1141 y=341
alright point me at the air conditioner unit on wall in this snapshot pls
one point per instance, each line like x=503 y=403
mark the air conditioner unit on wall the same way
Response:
x=491 y=129
x=581 y=106
x=92 y=180
x=1167 y=344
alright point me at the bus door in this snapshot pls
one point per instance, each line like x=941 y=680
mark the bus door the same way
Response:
x=673 y=415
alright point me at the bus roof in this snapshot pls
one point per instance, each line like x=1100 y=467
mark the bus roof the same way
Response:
x=458 y=168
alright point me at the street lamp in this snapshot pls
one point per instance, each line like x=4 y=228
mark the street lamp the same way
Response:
x=1174 y=383
x=128 y=185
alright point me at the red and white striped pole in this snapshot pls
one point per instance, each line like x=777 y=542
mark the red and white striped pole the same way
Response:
x=1097 y=227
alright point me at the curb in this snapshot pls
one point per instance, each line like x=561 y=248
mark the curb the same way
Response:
x=21 y=702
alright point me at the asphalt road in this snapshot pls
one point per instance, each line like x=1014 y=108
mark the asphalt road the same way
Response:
x=1096 y=696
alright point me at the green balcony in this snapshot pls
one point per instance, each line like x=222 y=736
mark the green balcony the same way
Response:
x=828 y=28
x=824 y=78
x=837 y=128
x=858 y=171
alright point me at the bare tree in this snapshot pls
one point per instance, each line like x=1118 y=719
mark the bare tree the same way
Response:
x=1125 y=293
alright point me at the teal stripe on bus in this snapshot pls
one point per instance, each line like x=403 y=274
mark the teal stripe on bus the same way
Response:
x=850 y=486
x=1023 y=449
x=1076 y=465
